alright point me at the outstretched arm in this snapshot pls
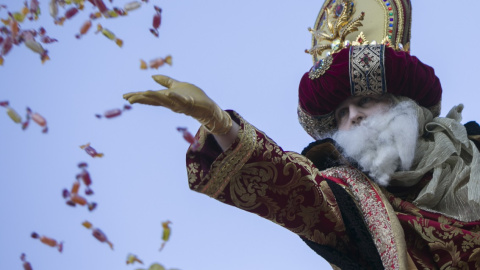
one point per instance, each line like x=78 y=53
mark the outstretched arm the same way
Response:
x=186 y=98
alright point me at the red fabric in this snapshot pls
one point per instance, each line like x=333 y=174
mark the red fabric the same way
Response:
x=304 y=203
x=406 y=76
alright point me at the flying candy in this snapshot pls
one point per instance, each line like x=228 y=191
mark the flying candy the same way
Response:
x=85 y=176
x=91 y=151
x=74 y=198
x=97 y=233
x=156 y=63
x=68 y=15
x=157 y=20
x=37 y=118
x=29 y=40
x=34 y=9
x=44 y=38
x=109 y=35
x=53 y=9
x=48 y=241
x=114 y=112
x=26 y=265
x=84 y=29
x=132 y=6
x=11 y=112
x=194 y=144
x=166 y=233
x=132 y=258
x=101 y=6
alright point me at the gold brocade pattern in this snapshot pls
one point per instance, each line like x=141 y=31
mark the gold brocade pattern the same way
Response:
x=232 y=163
x=374 y=212
x=256 y=175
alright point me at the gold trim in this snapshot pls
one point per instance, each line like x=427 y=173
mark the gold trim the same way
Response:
x=397 y=229
x=375 y=212
x=224 y=169
x=316 y=126
x=385 y=16
x=400 y=13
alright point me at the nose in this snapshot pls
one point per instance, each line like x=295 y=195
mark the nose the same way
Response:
x=356 y=115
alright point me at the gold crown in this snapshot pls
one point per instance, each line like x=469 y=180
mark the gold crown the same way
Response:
x=344 y=23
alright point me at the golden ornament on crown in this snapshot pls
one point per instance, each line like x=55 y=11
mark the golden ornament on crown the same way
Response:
x=344 y=23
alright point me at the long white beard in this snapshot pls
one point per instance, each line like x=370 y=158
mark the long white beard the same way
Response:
x=383 y=143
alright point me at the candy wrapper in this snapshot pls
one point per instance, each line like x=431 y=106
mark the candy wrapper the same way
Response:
x=84 y=29
x=156 y=63
x=73 y=198
x=11 y=112
x=194 y=144
x=37 y=118
x=26 y=265
x=48 y=241
x=91 y=151
x=114 y=112
x=85 y=177
x=132 y=259
x=132 y=6
x=167 y=231
x=157 y=20
x=107 y=33
x=97 y=233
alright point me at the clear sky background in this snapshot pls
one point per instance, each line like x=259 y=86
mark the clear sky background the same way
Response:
x=247 y=55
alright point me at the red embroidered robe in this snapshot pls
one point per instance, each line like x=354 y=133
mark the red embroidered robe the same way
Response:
x=339 y=212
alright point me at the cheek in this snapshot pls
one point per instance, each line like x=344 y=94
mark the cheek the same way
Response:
x=343 y=126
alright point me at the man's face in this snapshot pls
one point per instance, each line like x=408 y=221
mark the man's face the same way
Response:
x=380 y=137
x=354 y=110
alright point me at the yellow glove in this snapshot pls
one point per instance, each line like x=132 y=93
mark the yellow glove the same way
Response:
x=186 y=98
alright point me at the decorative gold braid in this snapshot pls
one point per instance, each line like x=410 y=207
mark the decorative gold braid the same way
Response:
x=224 y=169
x=400 y=13
x=385 y=31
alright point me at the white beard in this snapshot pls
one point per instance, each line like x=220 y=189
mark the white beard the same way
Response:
x=383 y=143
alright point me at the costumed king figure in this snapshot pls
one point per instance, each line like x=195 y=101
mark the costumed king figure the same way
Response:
x=387 y=184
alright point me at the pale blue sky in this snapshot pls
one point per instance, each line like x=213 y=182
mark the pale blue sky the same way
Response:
x=247 y=55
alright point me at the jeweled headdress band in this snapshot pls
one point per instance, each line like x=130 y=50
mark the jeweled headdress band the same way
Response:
x=367 y=70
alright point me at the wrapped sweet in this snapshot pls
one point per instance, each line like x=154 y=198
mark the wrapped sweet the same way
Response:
x=91 y=151
x=166 y=233
x=26 y=265
x=114 y=112
x=157 y=20
x=48 y=241
x=97 y=233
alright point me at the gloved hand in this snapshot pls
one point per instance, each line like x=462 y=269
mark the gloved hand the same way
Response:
x=186 y=98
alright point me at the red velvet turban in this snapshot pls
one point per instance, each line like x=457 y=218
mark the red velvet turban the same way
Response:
x=352 y=71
